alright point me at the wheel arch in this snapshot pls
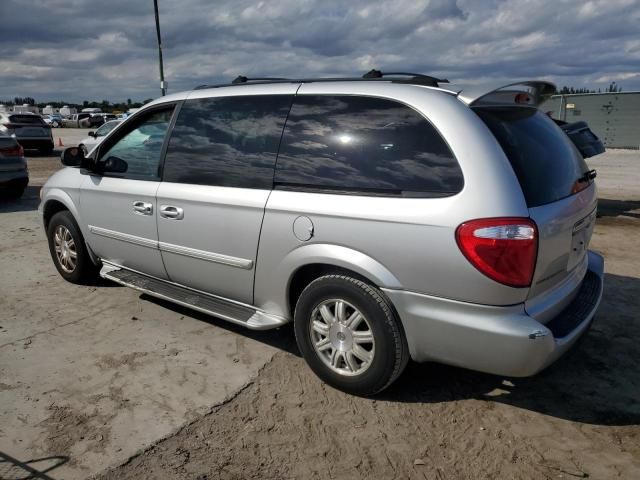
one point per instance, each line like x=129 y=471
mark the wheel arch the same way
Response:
x=309 y=262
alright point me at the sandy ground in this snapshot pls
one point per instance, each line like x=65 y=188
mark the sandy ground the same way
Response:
x=578 y=419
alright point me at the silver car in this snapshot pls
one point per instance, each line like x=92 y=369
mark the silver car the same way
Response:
x=391 y=217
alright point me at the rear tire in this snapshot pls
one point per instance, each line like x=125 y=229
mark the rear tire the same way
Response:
x=68 y=250
x=349 y=335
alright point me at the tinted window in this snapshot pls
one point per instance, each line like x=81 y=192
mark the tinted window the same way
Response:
x=227 y=141
x=544 y=159
x=140 y=145
x=364 y=145
x=26 y=119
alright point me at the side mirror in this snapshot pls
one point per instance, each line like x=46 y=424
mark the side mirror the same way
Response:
x=74 y=157
x=114 y=165
x=92 y=134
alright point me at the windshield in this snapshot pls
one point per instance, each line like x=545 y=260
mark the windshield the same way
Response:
x=544 y=159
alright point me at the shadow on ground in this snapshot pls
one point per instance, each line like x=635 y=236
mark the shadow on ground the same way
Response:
x=14 y=469
x=597 y=382
x=28 y=202
x=615 y=208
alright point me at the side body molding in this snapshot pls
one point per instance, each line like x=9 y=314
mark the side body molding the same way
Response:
x=272 y=287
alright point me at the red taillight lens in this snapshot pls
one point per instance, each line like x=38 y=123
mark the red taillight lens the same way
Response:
x=504 y=249
x=13 y=151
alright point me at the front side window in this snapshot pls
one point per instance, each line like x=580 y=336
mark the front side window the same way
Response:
x=364 y=145
x=227 y=141
x=106 y=128
x=140 y=145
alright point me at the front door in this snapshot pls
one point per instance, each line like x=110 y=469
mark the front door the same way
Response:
x=218 y=175
x=120 y=208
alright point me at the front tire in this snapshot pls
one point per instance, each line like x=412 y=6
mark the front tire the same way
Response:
x=46 y=150
x=68 y=250
x=349 y=335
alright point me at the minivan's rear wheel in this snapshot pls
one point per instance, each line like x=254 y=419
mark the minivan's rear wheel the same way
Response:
x=349 y=334
x=68 y=250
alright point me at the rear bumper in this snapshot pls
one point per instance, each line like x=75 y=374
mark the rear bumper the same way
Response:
x=498 y=340
x=15 y=179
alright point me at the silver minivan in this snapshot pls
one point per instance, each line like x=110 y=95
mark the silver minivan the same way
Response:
x=391 y=217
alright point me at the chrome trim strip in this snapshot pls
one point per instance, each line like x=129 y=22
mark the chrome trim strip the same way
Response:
x=171 y=248
x=207 y=256
x=124 y=237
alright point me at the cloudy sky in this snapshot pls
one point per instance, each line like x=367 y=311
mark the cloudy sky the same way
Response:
x=74 y=50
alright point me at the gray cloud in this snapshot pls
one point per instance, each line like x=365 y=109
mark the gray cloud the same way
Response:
x=81 y=49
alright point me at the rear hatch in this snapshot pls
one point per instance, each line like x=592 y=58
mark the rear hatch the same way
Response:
x=28 y=126
x=560 y=194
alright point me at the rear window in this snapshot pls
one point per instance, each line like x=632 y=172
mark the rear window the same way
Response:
x=28 y=119
x=364 y=145
x=545 y=160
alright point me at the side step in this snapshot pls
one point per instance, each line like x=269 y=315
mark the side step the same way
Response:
x=235 y=312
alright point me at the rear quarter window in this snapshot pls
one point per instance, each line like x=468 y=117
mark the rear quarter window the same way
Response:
x=544 y=159
x=364 y=145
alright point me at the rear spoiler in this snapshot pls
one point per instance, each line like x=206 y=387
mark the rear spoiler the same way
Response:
x=529 y=92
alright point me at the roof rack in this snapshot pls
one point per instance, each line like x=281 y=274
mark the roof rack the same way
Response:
x=243 y=79
x=415 y=77
x=372 y=75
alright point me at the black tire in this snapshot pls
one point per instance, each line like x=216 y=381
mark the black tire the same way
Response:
x=390 y=353
x=85 y=271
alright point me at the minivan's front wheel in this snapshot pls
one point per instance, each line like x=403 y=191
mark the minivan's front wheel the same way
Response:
x=68 y=250
x=349 y=335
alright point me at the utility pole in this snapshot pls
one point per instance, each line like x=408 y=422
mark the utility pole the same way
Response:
x=155 y=7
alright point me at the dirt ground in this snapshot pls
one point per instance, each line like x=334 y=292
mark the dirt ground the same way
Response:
x=580 y=418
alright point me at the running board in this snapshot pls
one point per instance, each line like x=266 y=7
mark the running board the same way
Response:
x=234 y=312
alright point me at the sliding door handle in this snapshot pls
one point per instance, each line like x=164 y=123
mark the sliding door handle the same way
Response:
x=169 y=211
x=142 y=208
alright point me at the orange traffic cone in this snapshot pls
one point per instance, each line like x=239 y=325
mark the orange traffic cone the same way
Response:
x=60 y=142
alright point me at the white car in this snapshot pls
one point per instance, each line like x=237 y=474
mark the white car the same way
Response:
x=96 y=137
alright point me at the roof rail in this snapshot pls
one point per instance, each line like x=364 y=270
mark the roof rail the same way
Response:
x=243 y=79
x=416 y=77
x=372 y=75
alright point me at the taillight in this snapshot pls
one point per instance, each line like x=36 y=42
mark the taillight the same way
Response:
x=9 y=125
x=13 y=151
x=504 y=249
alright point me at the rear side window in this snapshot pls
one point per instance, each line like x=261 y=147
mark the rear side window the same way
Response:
x=227 y=141
x=545 y=160
x=364 y=145
x=26 y=119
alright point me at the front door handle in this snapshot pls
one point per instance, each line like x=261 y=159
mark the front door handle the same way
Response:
x=169 y=211
x=142 y=208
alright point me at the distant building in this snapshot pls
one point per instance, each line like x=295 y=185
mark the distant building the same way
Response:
x=48 y=110
x=613 y=116
x=67 y=111
x=25 y=108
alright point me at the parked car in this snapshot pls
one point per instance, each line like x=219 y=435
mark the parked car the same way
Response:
x=30 y=130
x=77 y=120
x=54 y=120
x=402 y=219
x=14 y=174
x=94 y=138
x=98 y=119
